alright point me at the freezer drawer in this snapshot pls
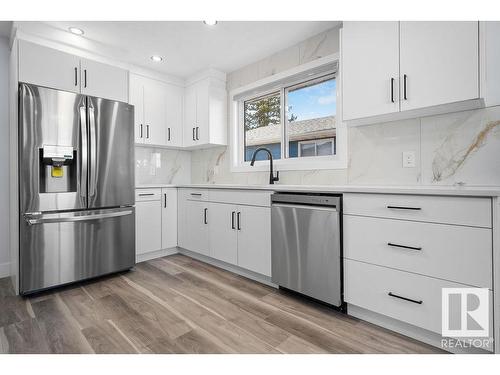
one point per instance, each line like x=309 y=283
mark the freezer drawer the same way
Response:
x=60 y=248
x=306 y=250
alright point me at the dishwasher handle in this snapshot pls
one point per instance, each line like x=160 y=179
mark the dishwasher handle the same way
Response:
x=306 y=207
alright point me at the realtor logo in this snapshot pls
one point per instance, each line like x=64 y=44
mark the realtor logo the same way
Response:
x=465 y=312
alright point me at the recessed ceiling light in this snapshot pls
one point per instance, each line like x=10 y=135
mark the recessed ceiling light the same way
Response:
x=76 y=31
x=210 y=23
x=156 y=58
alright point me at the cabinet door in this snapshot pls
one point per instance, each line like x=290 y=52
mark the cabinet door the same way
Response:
x=254 y=239
x=169 y=218
x=174 y=104
x=196 y=227
x=370 y=69
x=148 y=226
x=136 y=98
x=190 y=116
x=223 y=233
x=104 y=81
x=440 y=63
x=202 y=112
x=48 y=67
x=155 y=113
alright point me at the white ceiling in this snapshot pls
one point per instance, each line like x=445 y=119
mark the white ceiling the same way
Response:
x=186 y=46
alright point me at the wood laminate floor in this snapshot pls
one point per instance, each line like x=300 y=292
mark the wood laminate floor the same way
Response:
x=180 y=305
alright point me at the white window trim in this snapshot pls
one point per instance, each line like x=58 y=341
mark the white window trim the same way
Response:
x=236 y=139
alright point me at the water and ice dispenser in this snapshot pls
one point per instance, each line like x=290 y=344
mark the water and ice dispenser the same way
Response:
x=58 y=169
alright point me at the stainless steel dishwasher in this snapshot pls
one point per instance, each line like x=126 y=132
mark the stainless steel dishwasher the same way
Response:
x=306 y=240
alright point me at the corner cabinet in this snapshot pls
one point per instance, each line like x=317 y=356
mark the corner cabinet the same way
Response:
x=52 y=68
x=395 y=67
x=158 y=111
x=205 y=113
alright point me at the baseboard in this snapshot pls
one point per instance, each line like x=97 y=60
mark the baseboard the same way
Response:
x=4 y=270
x=229 y=267
x=155 y=254
x=406 y=329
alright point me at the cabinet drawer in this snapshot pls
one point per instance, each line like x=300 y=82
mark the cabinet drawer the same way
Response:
x=368 y=286
x=450 y=252
x=436 y=209
x=194 y=194
x=244 y=197
x=142 y=195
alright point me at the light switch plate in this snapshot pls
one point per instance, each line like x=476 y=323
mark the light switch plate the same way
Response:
x=408 y=159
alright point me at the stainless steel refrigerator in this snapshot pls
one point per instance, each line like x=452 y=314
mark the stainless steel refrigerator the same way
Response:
x=76 y=187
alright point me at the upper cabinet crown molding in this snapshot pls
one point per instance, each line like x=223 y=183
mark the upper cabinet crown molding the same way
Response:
x=45 y=66
x=395 y=70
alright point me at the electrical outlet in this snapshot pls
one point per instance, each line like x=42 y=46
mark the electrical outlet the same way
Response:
x=408 y=159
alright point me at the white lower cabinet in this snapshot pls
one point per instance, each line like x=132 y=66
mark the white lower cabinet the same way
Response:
x=169 y=218
x=148 y=226
x=213 y=224
x=254 y=239
x=196 y=227
x=223 y=232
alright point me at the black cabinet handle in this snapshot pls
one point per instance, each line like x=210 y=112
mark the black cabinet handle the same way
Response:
x=141 y=130
x=197 y=133
x=165 y=200
x=405 y=299
x=232 y=220
x=196 y=194
x=205 y=215
x=145 y=194
x=405 y=77
x=193 y=135
x=403 y=246
x=76 y=76
x=392 y=90
x=404 y=208
x=238 y=219
x=85 y=78
x=169 y=134
x=147 y=131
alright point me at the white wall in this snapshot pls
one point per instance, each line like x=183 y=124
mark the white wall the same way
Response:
x=4 y=158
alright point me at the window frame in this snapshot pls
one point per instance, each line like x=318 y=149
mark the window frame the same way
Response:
x=315 y=141
x=238 y=96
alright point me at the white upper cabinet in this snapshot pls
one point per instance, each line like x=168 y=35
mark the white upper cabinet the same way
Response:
x=103 y=81
x=51 y=68
x=439 y=61
x=158 y=111
x=391 y=68
x=205 y=115
x=174 y=97
x=48 y=67
x=370 y=69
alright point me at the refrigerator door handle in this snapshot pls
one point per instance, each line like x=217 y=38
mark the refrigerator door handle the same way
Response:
x=93 y=152
x=71 y=217
x=83 y=153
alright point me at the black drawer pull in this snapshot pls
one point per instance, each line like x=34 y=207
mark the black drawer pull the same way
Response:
x=196 y=194
x=404 y=208
x=406 y=299
x=403 y=246
x=205 y=220
x=232 y=219
x=145 y=194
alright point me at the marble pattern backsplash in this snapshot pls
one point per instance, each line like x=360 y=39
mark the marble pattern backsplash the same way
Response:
x=461 y=148
x=162 y=166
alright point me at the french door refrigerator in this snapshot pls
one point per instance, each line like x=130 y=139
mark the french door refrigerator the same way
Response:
x=76 y=187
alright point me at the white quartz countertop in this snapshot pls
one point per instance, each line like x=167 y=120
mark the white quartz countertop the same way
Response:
x=478 y=191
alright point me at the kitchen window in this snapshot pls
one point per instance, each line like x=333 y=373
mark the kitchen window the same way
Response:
x=295 y=118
